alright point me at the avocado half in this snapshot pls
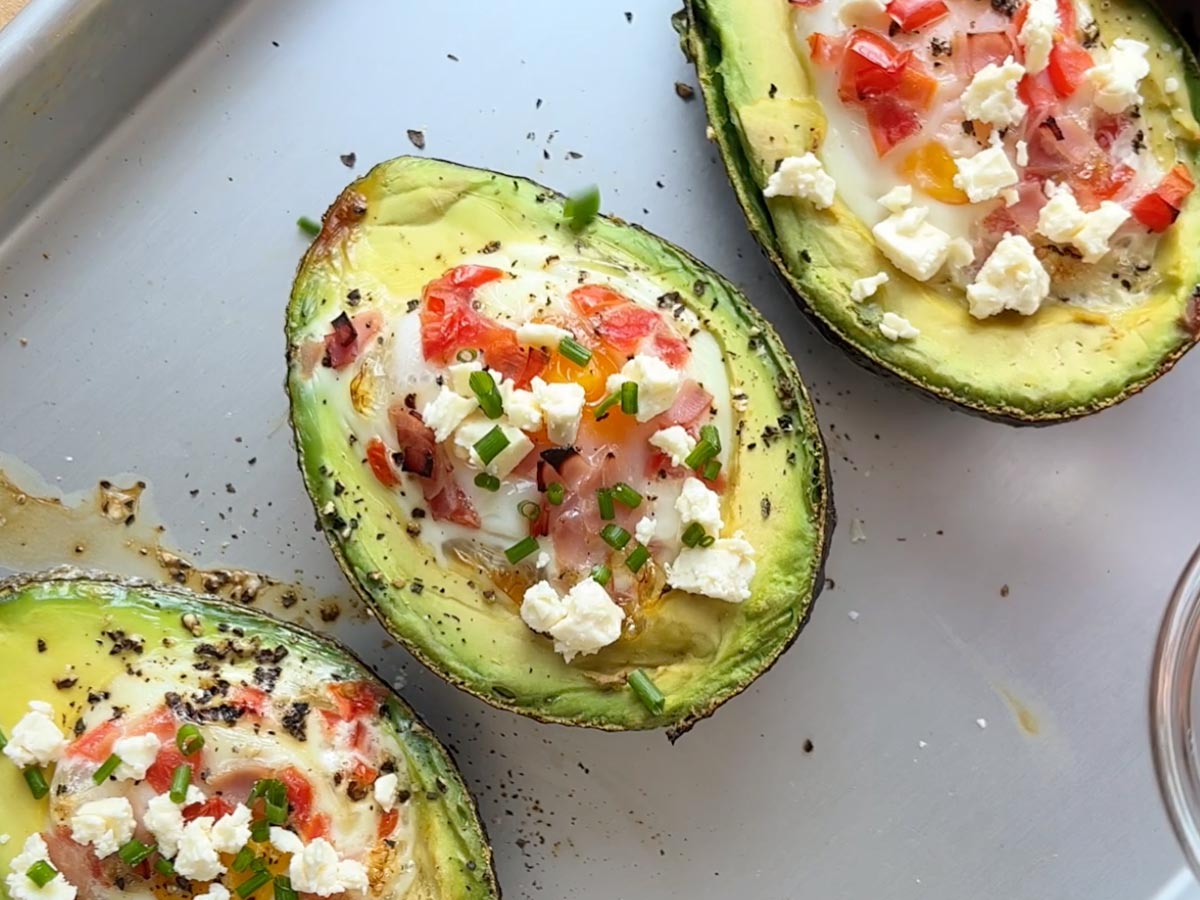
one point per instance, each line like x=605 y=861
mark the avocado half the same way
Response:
x=1063 y=364
x=383 y=239
x=66 y=633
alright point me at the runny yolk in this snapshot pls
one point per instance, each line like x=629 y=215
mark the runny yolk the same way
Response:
x=931 y=168
x=593 y=377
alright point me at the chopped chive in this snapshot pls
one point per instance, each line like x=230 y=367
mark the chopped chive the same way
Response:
x=626 y=495
x=134 y=852
x=41 y=873
x=258 y=864
x=711 y=470
x=252 y=884
x=555 y=493
x=164 y=867
x=605 y=501
x=606 y=404
x=260 y=831
x=189 y=740
x=466 y=354
x=491 y=444
x=614 y=535
x=284 y=889
x=575 y=351
x=693 y=534
x=3 y=739
x=637 y=558
x=629 y=397
x=709 y=433
x=36 y=780
x=309 y=226
x=647 y=691
x=277 y=813
x=530 y=510
x=180 y=779
x=487 y=482
x=601 y=574
x=580 y=209
x=521 y=549
x=483 y=386
x=703 y=452
x=242 y=861
x=707 y=541
x=272 y=789
x=106 y=768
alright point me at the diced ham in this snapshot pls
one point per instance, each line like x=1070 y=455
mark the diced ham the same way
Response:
x=417 y=444
x=350 y=336
x=447 y=501
x=983 y=48
x=78 y=864
x=691 y=407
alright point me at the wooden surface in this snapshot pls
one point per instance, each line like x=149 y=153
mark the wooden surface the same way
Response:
x=8 y=9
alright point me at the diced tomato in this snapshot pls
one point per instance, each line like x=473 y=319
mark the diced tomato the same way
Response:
x=251 y=699
x=162 y=770
x=871 y=67
x=624 y=325
x=1067 y=22
x=380 y=462
x=1159 y=209
x=214 y=806
x=96 y=744
x=1097 y=179
x=1069 y=62
x=355 y=698
x=388 y=822
x=890 y=122
x=823 y=49
x=1037 y=92
x=917 y=87
x=362 y=773
x=984 y=48
x=310 y=825
x=912 y=15
x=449 y=322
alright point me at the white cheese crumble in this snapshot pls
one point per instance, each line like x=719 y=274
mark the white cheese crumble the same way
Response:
x=1011 y=278
x=521 y=408
x=897 y=328
x=1022 y=153
x=697 y=503
x=216 y=891
x=991 y=96
x=911 y=244
x=675 y=442
x=196 y=856
x=582 y=621
x=106 y=824
x=475 y=427
x=644 y=530
x=317 y=869
x=541 y=334
x=459 y=376
x=541 y=607
x=35 y=739
x=897 y=198
x=803 y=177
x=1115 y=83
x=1062 y=221
x=657 y=384
x=984 y=175
x=232 y=831
x=446 y=411
x=137 y=755
x=982 y=723
x=863 y=288
x=386 y=786
x=164 y=819
x=562 y=409
x=1171 y=84
x=22 y=887
x=722 y=571
x=1037 y=34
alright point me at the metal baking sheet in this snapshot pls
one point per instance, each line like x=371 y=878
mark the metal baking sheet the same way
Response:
x=153 y=165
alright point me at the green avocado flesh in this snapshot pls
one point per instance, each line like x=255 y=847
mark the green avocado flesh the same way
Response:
x=81 y=643
x=406 y=223
x=1064 y=361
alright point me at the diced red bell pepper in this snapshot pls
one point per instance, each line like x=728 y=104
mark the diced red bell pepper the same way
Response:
x=1159 y=209
x=823 y=49
x=913 y=15
x=1069 y=63
x=871 y=66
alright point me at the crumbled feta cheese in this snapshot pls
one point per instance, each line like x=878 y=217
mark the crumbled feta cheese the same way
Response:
x=863 y=288
x=1011 y=278
x=459 y=376
x=164 y=819
x=643 y=532
x=803 y=177
x=590 y=621
x=897 y=198
x=541 y=334
x=35 y=739
x=723 y=570
x=897 y=328
x=1037 y=34
x=991 y=96
x=1022 y=153
x=197 y=857
x=853 y=615
x=385 y=791
x=318 y=870
x=913 y=245
x=960 y=253
x=543 y=560
x=863 y=12
x=982 y=723
x=562 y=408
x=1115 y=83
x=657 y=384
x=675 y=442
x=106 y=824
x=232 y=831
x=521 y=409
x=1010 y=196
x=541 y=607
x=697 y=503
x=286 y=841
x=1061 y=218
x=22 y=887
x=984 y=175
x=1170 y=84
x=216 y=891
x=1062 y=221
x=446 y=411
x=137 y=755
x=475 y=427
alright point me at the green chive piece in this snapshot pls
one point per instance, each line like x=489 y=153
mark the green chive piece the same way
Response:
x=637 y=558
x=284 y=889
x=521 y=549
x=606 y=404
x=36 y=779
x=466 y=354
x=711 y=470
x=491 y=444
x=629 y=397
x=3 y=739
x=189 y=740
x=693 y=534
x=308 y=226
x=580 y=209
x=483 y=386
x=555 y=493
x=41 y=873
x=260 y=831
x=277 y=813
x=647 y=691
x=106 y=768
x=601 y=574
x=703 y=452
x=272 y=789
x=487 y=482
x=626 y=495
x=242 y=861
x=530 y=510
x=605 y=501
x=614 y=535
x=134 y=852
x=252 y=884
x=164 y=867
x=575 y=351
x=258 y=864
x=709 y=433
x=180 y=779
x=707 y=541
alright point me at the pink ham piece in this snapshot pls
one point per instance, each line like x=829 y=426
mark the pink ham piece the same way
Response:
x=350 y=336
x=692 y=405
